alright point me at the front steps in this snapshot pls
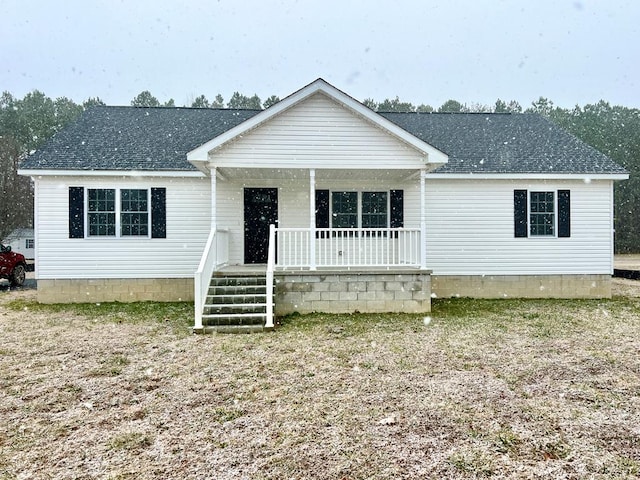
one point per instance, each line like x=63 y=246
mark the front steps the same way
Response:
x=236 y=304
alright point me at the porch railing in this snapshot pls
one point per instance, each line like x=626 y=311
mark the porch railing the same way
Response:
x=271 y=262
x=216 y=254
x=348 y=247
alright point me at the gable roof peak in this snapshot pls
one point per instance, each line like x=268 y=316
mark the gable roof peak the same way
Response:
x=199 y=156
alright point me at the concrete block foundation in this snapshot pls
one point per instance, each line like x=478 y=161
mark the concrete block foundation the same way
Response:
x=341 y=292
x=115 y=290
x=353 y=291
x=522 y=286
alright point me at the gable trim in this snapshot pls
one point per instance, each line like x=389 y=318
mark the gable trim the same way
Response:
x=432 y=155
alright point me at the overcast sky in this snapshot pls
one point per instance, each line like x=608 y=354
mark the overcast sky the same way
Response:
x=424 y=51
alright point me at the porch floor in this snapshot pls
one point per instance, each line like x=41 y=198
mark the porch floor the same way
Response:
x=257 y=269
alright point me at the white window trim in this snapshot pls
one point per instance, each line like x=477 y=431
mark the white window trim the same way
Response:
x=555 y=214
x=359 y=205
x=117 y=212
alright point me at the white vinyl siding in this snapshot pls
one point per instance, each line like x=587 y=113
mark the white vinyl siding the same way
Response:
x=187 y=223
x=469 y=227
x=470 y=230
x=318 y=133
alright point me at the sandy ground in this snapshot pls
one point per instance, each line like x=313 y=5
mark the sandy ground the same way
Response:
x=627 y=262
x=626 y=288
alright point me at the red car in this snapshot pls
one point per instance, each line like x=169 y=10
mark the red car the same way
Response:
x=13 y=266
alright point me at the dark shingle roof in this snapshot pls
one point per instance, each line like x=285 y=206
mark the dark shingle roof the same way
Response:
x=130 y=138
x=504 y=143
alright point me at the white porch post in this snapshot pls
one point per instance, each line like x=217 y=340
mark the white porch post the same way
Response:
x=214 y=216
x=423 y=220
x=312 y=218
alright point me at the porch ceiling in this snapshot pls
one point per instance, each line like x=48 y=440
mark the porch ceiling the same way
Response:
x=321 y=174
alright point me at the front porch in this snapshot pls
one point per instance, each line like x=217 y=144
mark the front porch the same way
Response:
x=346 y=241
x=346 y=188
x=311 y=270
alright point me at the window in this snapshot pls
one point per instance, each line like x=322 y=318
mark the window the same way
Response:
x=113 y=212
x=542 y=214
x=374 y=210
x=29 y=243
x=359 y=209
x=344 y=207
x=134 y=213
x=101 y=212
x=102 y=209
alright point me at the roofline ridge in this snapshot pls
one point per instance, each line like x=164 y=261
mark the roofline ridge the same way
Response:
x=449 y=113
x=162 y=107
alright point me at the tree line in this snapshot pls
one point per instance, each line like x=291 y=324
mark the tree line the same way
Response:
x=26 y=123
x=238 y=100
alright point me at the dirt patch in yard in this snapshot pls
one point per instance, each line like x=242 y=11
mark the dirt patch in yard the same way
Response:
x=625 y=287
x=507 y=388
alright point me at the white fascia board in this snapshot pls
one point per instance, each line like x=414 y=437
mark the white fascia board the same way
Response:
x=111 y=173
x=529 y=176
x=202 y=166
x=434 y=156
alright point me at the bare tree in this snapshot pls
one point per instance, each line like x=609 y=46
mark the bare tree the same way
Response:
x=16 y=207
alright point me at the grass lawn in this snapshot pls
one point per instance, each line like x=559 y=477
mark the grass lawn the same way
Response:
x=502 y=389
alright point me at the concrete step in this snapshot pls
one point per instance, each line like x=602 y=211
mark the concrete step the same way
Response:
x=236 y=299
x=232 y=329
x=214 y=319
x=234 y=308
x=237 y=290
x=235 y=304
x=237 y=281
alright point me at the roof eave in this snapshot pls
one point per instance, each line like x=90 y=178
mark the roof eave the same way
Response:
x=43 y=172
x=530 y=176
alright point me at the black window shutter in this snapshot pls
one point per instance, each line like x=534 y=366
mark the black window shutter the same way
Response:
x=322 y=208
x=76 y=212
x=397 y=209
x=564 y=213
x=520 y=213
x=158 y=213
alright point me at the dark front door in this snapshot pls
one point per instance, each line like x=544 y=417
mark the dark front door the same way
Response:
x=260 y=211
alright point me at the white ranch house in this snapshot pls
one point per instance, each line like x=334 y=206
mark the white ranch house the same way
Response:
x=338 y=208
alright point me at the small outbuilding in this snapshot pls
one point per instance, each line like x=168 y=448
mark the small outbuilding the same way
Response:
x=22 y=240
